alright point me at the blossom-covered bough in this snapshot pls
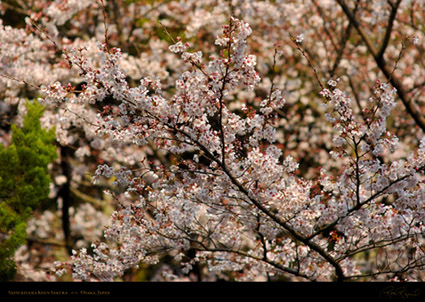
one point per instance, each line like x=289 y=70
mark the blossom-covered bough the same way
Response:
x=223 y=196
x=236 y=203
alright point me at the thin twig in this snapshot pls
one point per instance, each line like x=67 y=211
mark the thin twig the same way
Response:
x=298 y=45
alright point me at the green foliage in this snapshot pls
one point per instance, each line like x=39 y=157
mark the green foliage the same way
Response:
x=24 y=182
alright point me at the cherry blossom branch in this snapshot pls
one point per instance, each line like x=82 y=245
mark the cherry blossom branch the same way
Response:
x=374 y=245
x=417 y=264
x=221 y=92
x=359 y=205
x=380 y=61
x=19 y=80
x=306 y=240
x=295 y=272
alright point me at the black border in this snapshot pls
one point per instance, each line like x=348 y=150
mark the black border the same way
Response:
x=278 y=291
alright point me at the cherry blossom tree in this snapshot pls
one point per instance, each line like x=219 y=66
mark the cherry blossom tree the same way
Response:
x=235 y=140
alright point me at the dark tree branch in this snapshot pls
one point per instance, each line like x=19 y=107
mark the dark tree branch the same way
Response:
x=391 y=19
x=386 y=70
x=65 y=194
